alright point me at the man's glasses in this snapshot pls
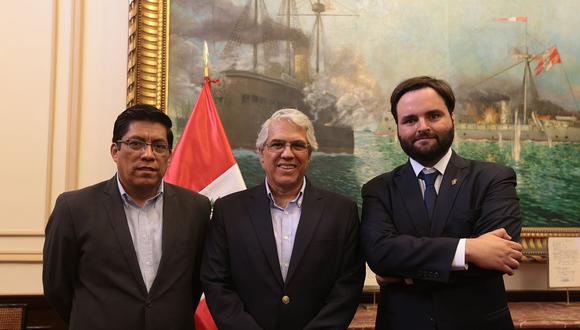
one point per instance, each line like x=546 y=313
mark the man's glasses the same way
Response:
x=160 y=148
x=280 y=145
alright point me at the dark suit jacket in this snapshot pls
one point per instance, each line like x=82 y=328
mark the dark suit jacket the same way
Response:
x=91 y=275
x=399 y=240
x=241 y=274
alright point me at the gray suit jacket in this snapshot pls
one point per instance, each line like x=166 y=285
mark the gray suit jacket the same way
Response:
x=91 y=275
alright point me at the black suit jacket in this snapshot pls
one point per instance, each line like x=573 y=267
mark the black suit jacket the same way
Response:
x=91 y=275
x=241 y=274
x=399 y=240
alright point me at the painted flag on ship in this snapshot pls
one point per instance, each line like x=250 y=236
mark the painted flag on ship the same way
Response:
x=512 y=19
x=546 y=60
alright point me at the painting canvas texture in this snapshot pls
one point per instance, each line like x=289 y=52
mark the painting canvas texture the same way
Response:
x=512 y=64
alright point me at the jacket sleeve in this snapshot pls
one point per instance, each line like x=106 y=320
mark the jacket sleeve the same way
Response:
x=224 y=303
x=495 y=205
x=344 y=297
x=60 y=259
x=500 y=206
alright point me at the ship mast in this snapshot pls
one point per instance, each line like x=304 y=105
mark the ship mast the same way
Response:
x=288 y=42
x=255 y=44
x=318 y=8
x=527 y=70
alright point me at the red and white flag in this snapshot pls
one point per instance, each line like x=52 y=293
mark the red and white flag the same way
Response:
x=546 y=60
x=512 y=19
x=203 y=161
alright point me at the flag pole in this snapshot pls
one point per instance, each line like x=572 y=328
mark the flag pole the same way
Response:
x=205 y=61
x=206 y=79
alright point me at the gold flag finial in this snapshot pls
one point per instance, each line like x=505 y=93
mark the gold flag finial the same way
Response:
x=205 y=60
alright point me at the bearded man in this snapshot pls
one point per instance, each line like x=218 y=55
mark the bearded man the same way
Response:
x=440 y=230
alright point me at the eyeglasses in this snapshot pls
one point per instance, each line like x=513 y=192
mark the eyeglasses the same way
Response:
x=160 y=148
x=280 y=145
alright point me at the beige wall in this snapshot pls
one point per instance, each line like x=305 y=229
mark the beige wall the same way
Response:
x=64 y=77
x=63 y=82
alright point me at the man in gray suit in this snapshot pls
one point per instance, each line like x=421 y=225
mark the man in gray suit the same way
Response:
x=125 y=253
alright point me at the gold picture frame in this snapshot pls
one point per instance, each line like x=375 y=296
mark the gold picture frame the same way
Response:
x=148 y=52
x=147 y=72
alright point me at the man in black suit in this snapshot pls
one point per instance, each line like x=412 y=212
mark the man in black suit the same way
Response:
x=284 y=254
x=440 y=230
x=125 y=253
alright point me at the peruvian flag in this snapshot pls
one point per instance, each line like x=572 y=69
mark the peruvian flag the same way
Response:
x=546 y=60
x=203 y=161
x=512 y=19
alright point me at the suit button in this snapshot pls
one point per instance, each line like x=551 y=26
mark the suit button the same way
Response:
x=285 y=300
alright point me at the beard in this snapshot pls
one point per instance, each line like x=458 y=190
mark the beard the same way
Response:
x=430 y=156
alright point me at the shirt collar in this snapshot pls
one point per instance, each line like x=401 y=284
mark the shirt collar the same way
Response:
x=440 y=166
x=127 y=199
x=298 y=199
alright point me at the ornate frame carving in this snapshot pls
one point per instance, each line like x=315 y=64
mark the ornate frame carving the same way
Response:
x=148 y=52
x=147 y=74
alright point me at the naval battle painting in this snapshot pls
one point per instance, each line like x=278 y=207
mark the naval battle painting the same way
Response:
x=513 y=65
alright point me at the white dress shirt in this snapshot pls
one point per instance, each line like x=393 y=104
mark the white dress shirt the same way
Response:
x=458 y=262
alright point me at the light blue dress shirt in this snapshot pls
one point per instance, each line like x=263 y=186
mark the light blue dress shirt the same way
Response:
x=146 y=225
x=285 y=223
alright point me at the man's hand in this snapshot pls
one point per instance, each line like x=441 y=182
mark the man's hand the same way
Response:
x=385 y=280
x=494 y=250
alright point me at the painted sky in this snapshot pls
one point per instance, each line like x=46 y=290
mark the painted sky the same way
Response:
x=458 y=40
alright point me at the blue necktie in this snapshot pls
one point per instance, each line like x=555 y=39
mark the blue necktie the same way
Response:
x=430 y=195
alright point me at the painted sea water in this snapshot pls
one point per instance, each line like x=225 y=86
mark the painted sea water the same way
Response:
x=548 y=176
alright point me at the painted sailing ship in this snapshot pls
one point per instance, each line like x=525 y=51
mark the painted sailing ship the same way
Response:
x=246 y=97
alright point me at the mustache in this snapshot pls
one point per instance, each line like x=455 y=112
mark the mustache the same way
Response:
x=423 y=135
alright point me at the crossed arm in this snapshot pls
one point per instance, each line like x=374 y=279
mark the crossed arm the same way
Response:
x=490 y=246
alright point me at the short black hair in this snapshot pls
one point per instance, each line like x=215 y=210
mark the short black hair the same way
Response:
x=441 y=87
x=141 y=112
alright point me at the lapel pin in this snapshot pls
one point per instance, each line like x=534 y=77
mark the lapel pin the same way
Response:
x=454 y=181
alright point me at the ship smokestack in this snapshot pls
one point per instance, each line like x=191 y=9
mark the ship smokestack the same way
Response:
x=301 y=63
x=504 y=111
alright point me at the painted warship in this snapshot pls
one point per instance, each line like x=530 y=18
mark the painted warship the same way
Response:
x=484 y=114
x=246 y=97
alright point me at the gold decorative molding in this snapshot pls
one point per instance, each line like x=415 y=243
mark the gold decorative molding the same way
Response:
x=147 y=76
x=535 y=241
x=148 y=53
